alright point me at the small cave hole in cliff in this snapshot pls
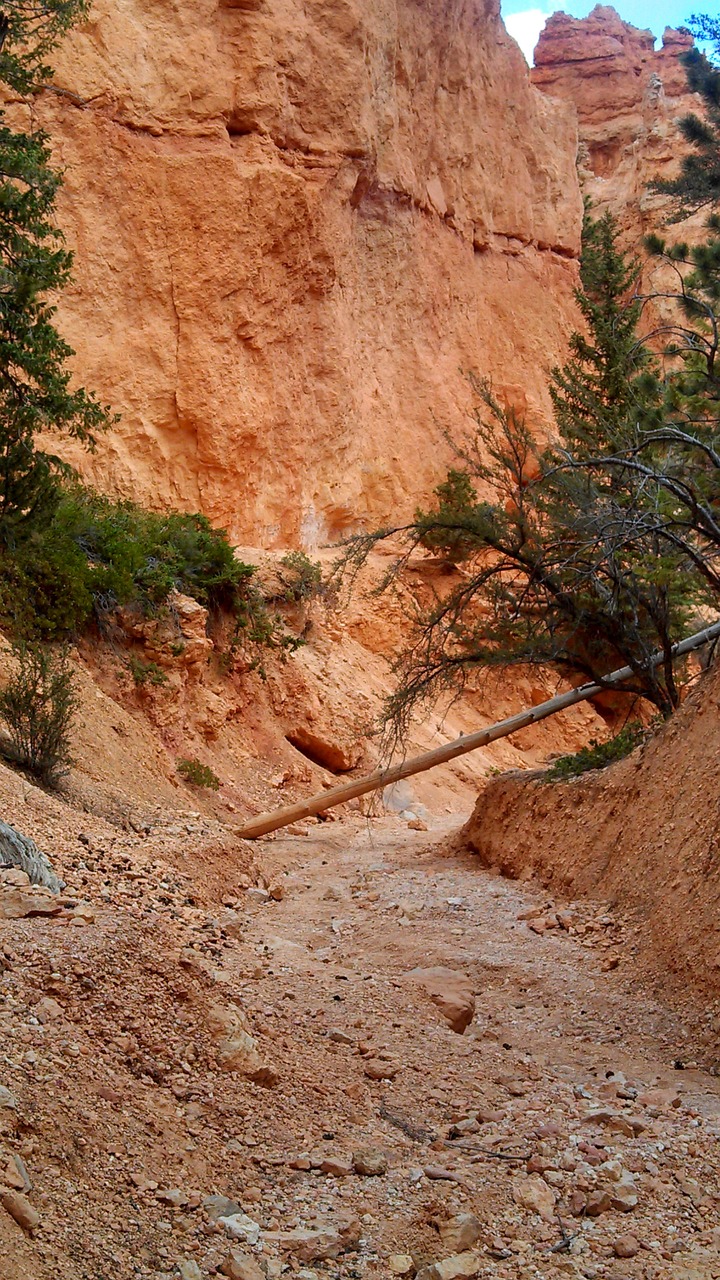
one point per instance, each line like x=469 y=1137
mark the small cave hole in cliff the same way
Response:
x=328 y=755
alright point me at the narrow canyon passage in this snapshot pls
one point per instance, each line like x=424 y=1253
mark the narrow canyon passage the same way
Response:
x=407 y=413
x=572 y=1128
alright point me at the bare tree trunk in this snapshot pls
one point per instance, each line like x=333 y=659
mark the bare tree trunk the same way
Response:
x=17 y=850
x=451 y=750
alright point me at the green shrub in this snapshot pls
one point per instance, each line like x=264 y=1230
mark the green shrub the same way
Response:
x=301 y=577
x=197 y=774
x=37 y=705
x=259 y=629
x=598 y=754
x=97 y=554
x=45 y=591
x=140 y=556
x=146 y=672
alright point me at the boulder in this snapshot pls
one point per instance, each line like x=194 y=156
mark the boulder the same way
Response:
x=327 y=1240
x=18 y=901
x=220 y=1207
x=237 y=1049
x=460 y=1232
x=534 y=1194
x=401 y=1264
x=19 y=851
x=240 y=1266
x=241 y=1227
x=370 y=1163
x=452 y=993
x=20 y=1208
x=457 y=1267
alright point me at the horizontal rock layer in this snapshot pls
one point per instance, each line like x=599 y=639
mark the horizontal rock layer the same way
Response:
x=295 y=224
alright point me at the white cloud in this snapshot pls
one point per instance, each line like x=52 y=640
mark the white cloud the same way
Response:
x=525 y=27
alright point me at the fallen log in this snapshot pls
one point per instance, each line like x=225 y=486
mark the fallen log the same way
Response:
x=290 y=813
x=20 y=852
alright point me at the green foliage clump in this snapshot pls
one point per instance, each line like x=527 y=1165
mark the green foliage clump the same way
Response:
x=455 y=496
x=139 y=556
x=96 y=555
x=610 y=385
x=46 y=590
x=260 y=630
x=197 y=774
x=597 y=755
x=37 y=705
x=301 y=577
x=146 y=672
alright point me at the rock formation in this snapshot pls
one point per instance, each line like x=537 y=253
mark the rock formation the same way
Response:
x=628 y=97
x=295 y=224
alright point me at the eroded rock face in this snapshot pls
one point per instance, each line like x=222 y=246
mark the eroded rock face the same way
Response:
x=294 y=224
x=628 y=97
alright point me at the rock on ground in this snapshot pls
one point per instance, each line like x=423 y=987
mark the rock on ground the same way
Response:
x=452 y=993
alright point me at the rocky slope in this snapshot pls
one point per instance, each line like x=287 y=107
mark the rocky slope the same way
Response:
x=295 y=224
x=219 y=1061
x=158 y=690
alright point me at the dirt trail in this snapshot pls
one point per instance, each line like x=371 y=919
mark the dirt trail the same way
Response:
x=128 y=1123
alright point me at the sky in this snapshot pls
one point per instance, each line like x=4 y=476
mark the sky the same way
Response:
x=524 y=19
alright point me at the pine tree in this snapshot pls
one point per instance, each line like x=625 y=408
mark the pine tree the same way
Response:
x=610 y=385
x=566 y=563
x=35 y=382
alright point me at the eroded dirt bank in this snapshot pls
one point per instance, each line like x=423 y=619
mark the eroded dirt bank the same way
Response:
x=644 y=833
x=206 y=1019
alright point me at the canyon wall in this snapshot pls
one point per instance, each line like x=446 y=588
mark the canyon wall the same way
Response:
x=296 y=222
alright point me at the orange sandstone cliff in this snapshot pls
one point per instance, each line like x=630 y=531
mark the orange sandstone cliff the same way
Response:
x=295 y=225
x=628 y=97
